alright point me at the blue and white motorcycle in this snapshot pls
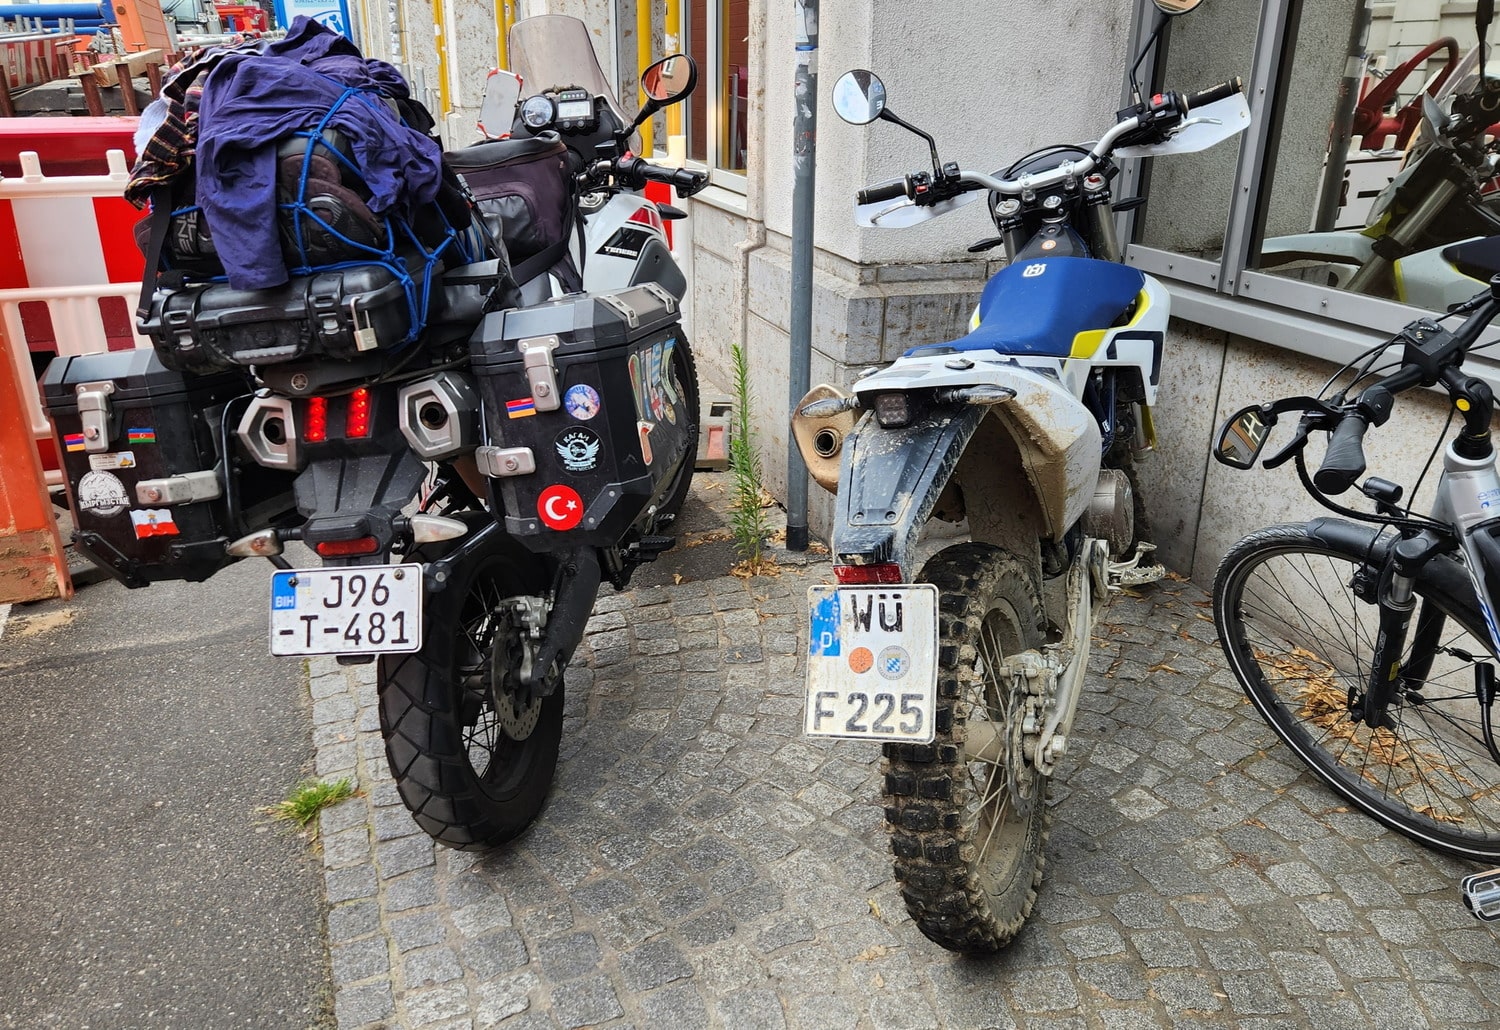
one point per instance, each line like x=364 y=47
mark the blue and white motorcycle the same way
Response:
x=970 y=668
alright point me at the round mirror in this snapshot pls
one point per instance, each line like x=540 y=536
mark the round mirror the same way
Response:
x=670 y=79
x=859 y=96
x=1171 y=7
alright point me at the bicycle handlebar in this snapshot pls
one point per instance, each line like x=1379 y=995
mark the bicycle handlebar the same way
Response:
x=1344 y=461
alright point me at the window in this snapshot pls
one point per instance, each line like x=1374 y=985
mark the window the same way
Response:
x=1372 y=152
x=718 y=33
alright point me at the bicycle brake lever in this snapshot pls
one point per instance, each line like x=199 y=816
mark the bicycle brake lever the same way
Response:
x=1295 y=444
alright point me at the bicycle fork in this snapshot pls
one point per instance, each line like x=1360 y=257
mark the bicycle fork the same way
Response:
x=1396 y=595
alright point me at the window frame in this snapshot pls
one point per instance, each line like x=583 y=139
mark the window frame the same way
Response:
x=1226 y=293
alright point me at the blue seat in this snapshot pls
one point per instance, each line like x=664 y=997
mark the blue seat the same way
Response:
x=1026 y=311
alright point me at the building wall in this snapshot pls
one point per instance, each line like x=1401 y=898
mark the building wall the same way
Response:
x=989 y=89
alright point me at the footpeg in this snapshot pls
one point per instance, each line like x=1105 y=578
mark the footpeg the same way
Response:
x=1482 y=894
x=1138 y=571
x=649 y=548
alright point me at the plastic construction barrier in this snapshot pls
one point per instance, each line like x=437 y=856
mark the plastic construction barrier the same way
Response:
x=70 y=274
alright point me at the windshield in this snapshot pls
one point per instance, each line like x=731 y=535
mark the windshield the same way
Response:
x=554 y=51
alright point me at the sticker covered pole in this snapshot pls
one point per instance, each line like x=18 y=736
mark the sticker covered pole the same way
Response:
x=804 y=159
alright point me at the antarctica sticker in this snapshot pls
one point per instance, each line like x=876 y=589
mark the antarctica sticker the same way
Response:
x=582 y=401
x=579 y=449
x=102 y=494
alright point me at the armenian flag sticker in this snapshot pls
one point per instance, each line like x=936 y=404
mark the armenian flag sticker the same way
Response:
x=141 y=435
x=73 y=441
x=520 y=408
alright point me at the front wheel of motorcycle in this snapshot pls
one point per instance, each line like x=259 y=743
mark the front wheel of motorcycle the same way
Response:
x=967 y=831
x=472 y=751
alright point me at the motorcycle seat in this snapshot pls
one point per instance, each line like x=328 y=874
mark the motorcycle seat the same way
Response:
x=1039 y=307
x=1477 y=259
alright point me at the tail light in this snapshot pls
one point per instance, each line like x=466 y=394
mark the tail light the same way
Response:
x=865 y=575
x=357 y=422
x=317 y=420
x=347 y=548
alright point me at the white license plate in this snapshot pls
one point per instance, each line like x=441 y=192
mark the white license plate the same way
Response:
x=361 y=609
x=872 y=662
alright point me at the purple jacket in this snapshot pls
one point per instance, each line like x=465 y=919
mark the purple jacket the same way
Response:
x=250 y=102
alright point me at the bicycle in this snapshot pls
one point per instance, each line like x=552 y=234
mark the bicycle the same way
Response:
x=1368 y=642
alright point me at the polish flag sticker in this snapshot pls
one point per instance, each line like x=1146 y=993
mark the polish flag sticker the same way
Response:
x=560 y=507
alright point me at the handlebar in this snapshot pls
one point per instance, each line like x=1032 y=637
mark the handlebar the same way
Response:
x=1432 y=356
x=890 y=191
x=1344 y=461
x=635 y=172
x=1213 y=94
x=1157 y=116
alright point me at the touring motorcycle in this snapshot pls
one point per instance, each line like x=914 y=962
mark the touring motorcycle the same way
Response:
x=467 y=481
x=969 y=668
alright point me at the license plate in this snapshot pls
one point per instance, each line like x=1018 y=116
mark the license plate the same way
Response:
x=364 y=609
x=872 y=662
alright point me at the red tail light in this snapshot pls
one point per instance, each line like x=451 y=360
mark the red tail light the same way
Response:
x=357 y=424
x=862 y=575
x=317 y=420
x=648 y=216
x=346 y=548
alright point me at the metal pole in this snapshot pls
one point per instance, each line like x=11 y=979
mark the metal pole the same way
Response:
x=804 y=155
x=1339 y=135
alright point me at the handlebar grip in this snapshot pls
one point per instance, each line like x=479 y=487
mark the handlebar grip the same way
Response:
x=1344 y=462
x=890 y=191
x=1213 y=94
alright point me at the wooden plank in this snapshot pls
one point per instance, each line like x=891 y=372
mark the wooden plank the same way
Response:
x=108 y=73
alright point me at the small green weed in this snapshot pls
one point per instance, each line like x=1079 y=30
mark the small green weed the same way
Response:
x=309 y=798
x=747 y=517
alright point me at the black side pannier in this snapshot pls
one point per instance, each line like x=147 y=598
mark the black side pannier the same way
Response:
x=523 y=194
x=152 y=484
x=587 y=421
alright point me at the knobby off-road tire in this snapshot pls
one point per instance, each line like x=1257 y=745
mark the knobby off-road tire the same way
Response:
x=1300 y=636
x=472 y=763
x=968 y=856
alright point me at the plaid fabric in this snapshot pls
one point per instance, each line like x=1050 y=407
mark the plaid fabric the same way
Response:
x=169 y=152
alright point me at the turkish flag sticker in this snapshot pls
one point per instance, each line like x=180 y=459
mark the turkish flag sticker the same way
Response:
x=560 y=507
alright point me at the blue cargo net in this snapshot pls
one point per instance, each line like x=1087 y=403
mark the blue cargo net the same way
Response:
x=399 y=248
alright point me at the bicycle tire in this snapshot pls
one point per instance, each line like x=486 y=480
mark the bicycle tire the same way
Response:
x=1295 y=610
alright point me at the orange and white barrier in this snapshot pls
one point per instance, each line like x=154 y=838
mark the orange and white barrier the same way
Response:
x=70 y=272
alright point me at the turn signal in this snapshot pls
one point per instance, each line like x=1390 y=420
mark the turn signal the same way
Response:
x=257 y=545
x=357 y=425
x=317 y=420
x=863 y=575
x=429 y=529
x=347 y=548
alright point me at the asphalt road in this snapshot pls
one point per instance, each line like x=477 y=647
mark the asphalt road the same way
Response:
x=141 y=885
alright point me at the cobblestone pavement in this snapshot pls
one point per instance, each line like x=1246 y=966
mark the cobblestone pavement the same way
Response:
x=700 y=864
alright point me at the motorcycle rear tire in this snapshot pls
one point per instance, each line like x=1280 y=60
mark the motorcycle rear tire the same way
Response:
x=969 y=860
x=467 y=781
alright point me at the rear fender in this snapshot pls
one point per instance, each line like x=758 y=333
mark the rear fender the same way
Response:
x=890 y=481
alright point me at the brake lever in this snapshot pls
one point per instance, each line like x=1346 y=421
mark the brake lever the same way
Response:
x=1295 y=444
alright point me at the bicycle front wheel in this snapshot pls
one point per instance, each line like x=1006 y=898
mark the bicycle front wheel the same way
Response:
x=1297 y=618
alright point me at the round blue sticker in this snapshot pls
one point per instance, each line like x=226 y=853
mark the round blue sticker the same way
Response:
x=582 y=401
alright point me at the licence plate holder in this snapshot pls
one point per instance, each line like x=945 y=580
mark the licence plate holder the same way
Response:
x=354 y=609
x=872 y=662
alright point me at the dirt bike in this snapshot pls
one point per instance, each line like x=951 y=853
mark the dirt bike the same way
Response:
x=970 y=668
x=1443 y=195
x=467 y=490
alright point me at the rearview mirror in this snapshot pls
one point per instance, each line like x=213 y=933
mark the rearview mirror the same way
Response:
x=859 y=96
x=1174 y=7
x=671 y=79
x=1241 y=439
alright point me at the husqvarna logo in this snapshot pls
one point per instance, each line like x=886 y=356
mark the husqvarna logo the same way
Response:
x=1032 y=271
